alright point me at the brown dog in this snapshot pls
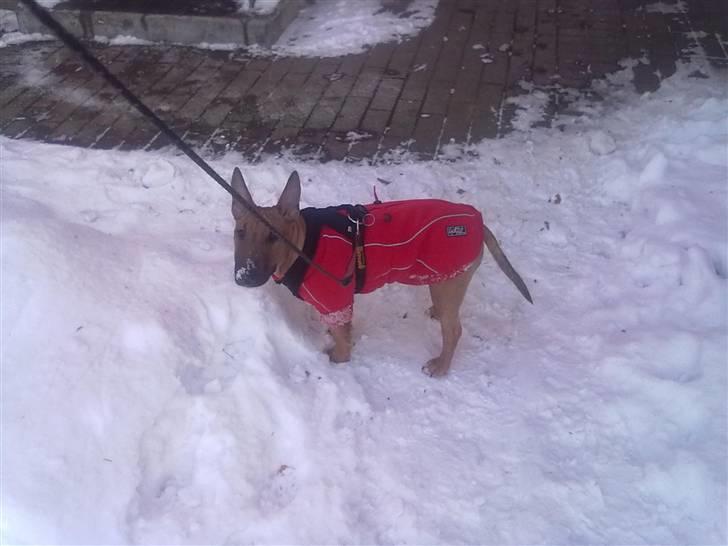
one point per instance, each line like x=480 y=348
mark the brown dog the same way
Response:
x=412 y=242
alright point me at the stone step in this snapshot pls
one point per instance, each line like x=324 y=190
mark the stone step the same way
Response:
x=186 y=22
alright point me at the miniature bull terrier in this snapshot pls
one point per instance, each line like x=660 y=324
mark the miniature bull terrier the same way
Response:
x=414 y=242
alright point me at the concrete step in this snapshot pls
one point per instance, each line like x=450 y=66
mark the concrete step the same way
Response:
x=187 y=22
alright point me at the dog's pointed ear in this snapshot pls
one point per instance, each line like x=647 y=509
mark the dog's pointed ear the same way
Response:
x=290 y=198
x=239 y=186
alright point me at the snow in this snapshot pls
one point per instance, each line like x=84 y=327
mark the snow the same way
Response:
x=261 y=7
x=15 y=38
x=121 y=40
x=8 y=21
x=602 y=143
x=9 y=34
x=148 y=399
x=667 y=7
x=330 y=28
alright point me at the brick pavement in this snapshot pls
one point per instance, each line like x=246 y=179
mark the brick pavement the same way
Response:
x=450 y=83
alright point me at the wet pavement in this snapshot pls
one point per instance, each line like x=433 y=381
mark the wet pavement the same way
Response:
x=451 y=83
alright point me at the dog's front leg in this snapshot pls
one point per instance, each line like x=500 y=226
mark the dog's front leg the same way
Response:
x=341 y=351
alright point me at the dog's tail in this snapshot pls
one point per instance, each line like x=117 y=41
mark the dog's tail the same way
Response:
x=504 y=264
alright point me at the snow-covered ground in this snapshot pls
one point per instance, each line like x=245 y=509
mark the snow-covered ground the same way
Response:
x=148 y=399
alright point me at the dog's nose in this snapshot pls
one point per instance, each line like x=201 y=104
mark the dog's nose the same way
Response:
x=240 y=280
x=249 y=275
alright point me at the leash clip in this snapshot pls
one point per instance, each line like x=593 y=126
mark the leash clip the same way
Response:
x=358 y=245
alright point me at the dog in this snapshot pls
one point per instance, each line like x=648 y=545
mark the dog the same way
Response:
x=413 y=242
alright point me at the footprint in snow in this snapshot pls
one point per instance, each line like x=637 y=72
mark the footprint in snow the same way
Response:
x=280 y=490
x=103 y=217
x=159 y=173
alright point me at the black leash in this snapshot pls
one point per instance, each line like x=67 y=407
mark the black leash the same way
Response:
x=74 y=44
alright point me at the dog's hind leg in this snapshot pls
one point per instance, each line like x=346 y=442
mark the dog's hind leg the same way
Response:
x=341 y=351
x=447 y=297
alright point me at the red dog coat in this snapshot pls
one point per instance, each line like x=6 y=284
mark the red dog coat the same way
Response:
x=410 y=242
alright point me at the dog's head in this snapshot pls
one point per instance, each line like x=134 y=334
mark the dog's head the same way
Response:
x=258 y=252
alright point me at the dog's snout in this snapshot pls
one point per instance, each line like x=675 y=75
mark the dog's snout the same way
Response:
x=249 y=274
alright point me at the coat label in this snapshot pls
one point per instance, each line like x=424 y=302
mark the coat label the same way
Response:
x=456 y=231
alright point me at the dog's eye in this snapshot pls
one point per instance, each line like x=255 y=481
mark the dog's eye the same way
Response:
x=272 y=237
x=240 y=233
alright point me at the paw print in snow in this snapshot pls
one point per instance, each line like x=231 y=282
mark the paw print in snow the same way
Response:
x=280 y=490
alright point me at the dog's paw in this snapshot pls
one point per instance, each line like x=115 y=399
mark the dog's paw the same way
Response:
x=436 y=368
x=338 y=356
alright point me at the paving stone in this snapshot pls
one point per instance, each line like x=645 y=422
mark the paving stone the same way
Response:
x=379 y=56
x=451 y=53
x=304 y=98
x=427 y=134
x=269 y=78
x=351 y=114
x=309 y=143
x=483 y=19
x=485 y=114
x=52 y=108
x=164 y=95
x=496 y=70
x=366 y=84
x=437 y=98
x=387 y=93
x=391 y=147
x=187 y=102
x=253 y=139
x=117 y=120
x=351 y=65
x=404 y=118
x=105 y=102
x=339 y=87
x=203 y=97
x=63 y=110
x=414 y=88
x=457 y=123
x=402 y=57
x=284 y=133
x=200 y=131
x=465 y=88
x=32 y=89
x=375 y=121
x=545 y=64
x=364 y=150
x=325 y=112
x=283 y=97
x=337 y=148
